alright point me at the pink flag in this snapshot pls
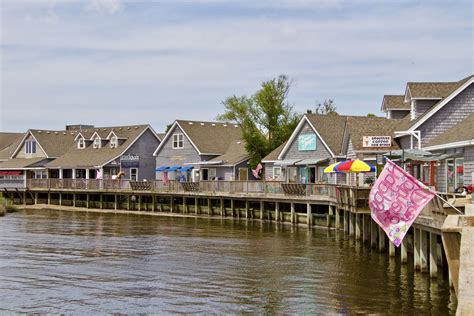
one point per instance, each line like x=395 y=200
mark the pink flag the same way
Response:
x=396 y=199
x=257 y=170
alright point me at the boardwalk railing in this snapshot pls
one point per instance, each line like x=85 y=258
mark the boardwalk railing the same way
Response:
x=215 y=187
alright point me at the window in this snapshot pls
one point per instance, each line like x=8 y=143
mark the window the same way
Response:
x=133 y=174
x=81 y=143
x=114 y=142
x=97 y=142
x=292 y=174
x=277 y=172
x=30 y=147
x=454 y=174
x=178 y=141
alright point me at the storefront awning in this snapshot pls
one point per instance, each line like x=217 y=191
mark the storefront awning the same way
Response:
x=162 y=168
x=417 y=155
x=311 y=161
x=174 y=168
x=186 y=168
x=286 y=162
x=11 y=173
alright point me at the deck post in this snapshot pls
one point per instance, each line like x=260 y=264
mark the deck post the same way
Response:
x=381 y=240
x=338 y=219
x=328 y=217
x=365 y=228
x=346 y=221
x=87 y=200
x=424 y=251
x=433 y=255
x=277 y=211
x=184 y=204
x=357 y=226
x=373 y=234
x=308 y=214
x=403 y=251
x=232 y=207
x=128 y=202
x=115 y=202
x=391 y=249
x=101 y=201
x=351 y=224
x=292 y=206
x=49 y=198
x=416 y=248
x=209 y=207
x=153 y=202
x=171 y=203
x=36 y=198
x=196 y=206
x=261 y=210
x=246 y=209
x=60 y=198
x=24 y=197
x=74 y=199
x=222 y=207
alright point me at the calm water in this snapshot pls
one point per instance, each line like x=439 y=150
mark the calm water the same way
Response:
x=63 y=262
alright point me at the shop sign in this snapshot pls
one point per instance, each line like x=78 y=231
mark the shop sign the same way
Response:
x=129 y=161
x=307 y=142
x=376 y=141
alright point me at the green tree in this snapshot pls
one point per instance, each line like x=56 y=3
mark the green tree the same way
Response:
x=266 y=118
x=327 y=107
x=371 y=115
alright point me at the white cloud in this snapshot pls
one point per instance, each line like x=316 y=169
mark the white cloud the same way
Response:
x=105 y=6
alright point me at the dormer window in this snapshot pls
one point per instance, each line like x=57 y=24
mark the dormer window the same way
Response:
x=81 y=143
x=178 y=141
x=30 y=147
x=97 y=142
x=113 y=142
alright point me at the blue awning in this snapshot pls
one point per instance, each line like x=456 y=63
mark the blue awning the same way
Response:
x=162 y=168
x=187 y=168
x=174 y=168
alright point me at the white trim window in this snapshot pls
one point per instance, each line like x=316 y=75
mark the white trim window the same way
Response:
x=81 y=143
x=97 y=142
x=178 y=141
x=277 y=173
x=134 y=174
x=30 y=147
x=113 y=142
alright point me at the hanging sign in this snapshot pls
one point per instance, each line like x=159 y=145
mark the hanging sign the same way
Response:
x=129 y=161
x=376 y=141
x=307 y=142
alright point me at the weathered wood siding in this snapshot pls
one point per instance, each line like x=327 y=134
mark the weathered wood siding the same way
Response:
x=424 y=105
x=468 y=165
x=448 y=116
x=167 y=156
x=144 y=148
x=394 y=114
x=321 y=151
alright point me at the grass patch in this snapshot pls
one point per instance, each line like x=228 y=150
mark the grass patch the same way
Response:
x=6 y=205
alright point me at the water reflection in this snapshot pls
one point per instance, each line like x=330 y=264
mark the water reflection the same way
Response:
x=63 y=262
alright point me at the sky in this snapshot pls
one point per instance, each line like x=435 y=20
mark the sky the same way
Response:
x=114 y=62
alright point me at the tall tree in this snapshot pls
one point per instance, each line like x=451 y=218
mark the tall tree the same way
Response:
x=327 y=107
x=267 y=119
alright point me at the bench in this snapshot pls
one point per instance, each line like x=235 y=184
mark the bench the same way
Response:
x=140 y=185
x=294 y=189
x=190 y=186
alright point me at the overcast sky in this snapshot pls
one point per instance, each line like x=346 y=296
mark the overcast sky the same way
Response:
x=113 y=62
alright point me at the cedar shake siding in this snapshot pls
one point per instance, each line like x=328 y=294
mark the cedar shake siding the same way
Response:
x=167 y=156
x=321 y=151
x=422 y=106
x=397 y=115
x=22 y=154
x=452 y=113
x=468 y=165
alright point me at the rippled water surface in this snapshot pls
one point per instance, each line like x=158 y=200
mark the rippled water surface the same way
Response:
x=66 y=262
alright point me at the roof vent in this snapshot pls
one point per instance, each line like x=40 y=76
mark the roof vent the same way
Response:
x=236 y=125
x=39 y=132
x=190 y=123
x=239 y=142
x=136 y=127
x=73 y=133
x=202 y=124
x=120 y=128
x=64 y=133
x=47 y=132
x=104 y=129
x=128 y=128
x=56 y=133
x=225 y=125
x=213 y=124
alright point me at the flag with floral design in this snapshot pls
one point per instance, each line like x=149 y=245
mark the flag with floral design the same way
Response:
x=396 y=200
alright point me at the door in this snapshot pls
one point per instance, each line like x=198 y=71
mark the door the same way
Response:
x=205 y=174
x=243 y=174
x=312 y=174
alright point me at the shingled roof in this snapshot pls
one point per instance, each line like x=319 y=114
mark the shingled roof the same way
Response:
x=236 y=153
x=93 y=157
x=395 y=102
x=462 y=131
x=331 y=128
x=211 y=137
x=273 y=155
x=360 y=126
x=434 y=90
x=8 y=143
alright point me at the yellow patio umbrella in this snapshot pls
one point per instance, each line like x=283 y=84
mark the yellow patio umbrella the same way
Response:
x=331 y=168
